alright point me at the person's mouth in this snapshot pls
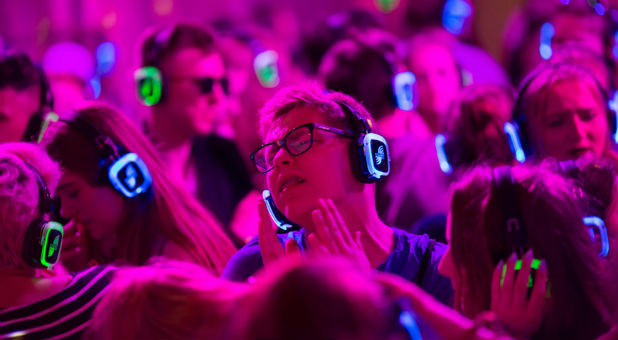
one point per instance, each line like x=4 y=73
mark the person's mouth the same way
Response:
x=580 y=151
x=290 y=182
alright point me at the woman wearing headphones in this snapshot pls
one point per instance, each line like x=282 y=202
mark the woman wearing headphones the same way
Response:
x=562 y=112
x=115 y=189
x=508 y=223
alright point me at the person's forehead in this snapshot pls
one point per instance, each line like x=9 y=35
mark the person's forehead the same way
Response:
x=194 y=62
x=27 y=98
x=572 y=90
x=297 y=116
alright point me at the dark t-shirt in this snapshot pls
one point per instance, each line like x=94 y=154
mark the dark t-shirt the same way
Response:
x=222 y=177
x=406 y=260
x=64 y=315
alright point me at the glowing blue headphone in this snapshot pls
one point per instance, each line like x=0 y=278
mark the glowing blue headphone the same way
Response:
x=126 y=171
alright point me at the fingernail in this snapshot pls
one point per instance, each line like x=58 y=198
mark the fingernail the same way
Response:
x=500 y=264
x=529 y=255
x=543 y=266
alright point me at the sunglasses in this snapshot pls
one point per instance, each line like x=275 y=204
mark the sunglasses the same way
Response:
x=206 y=84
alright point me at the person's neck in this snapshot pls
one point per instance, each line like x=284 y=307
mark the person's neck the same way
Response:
x=360 y=215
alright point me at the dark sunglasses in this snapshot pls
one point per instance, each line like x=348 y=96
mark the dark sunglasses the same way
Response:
x=206 y=84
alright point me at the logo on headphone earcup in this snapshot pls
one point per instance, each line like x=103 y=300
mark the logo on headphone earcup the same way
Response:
x=374 y=156
x=42 y=243
x=129 y=175
x=149 y=85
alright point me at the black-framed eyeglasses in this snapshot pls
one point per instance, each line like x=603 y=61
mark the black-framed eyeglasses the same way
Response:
x=206 y=84
x=296 y=142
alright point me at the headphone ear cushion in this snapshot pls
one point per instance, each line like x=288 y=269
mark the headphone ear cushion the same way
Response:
x=31 y=250
x=358 y=161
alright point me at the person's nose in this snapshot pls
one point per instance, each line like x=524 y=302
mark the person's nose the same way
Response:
x=282 y=157
x=579 y=128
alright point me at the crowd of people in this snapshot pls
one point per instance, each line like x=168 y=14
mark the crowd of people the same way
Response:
x=365 y=182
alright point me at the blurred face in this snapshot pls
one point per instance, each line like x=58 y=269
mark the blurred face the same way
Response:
x=323 y=171
x=586 y=30
x=196 y=98
x=16 y=107
x=438 y=80
x=573 y=123
x=97 y=209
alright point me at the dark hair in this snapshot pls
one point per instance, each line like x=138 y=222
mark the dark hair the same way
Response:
x=324 y=35
x=580 y=305
x=17 y=71
x=363 y=67
x=158 y=44
x=475 y=126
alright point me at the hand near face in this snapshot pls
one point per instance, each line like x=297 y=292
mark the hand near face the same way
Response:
x=270 y=247
x=74 y=254
x=522 y=316
x=332 y=236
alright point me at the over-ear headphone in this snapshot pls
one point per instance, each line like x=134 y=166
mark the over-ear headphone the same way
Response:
x=518 y=130
x=515 y=235
x=148 y=78
x=596 y=225
x=370 y=157
x=43 y=238
x=124 y=170
x=265 y=61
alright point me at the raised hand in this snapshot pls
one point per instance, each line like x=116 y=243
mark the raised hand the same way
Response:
x=521 y=315
x=270 y=246
x=333 y=237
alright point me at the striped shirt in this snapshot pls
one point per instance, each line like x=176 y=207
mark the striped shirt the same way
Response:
x=64 y=315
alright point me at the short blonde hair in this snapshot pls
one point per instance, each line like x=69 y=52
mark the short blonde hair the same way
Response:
x=19 y=196
x=166 y=300
x=312 y=95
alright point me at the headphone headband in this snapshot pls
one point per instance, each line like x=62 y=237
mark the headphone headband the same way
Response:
x=507 y=199
x=106 y=146
x=363 y=125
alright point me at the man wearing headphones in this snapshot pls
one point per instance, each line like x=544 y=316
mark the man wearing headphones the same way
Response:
x=321 y=161
x=183 y=81
x=24 y=96
x=33 y=303
x=416 y=187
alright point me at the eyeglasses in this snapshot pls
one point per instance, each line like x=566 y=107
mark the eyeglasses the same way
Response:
x=296 y=142
x=206 y=84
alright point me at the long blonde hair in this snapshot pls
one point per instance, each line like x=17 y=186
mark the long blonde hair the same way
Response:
x=168 y=211
x=167 y=300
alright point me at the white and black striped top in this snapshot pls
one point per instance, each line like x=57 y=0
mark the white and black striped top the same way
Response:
x=64 y=315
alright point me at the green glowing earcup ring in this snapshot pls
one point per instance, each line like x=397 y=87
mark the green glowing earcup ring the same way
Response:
x=149 y=85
